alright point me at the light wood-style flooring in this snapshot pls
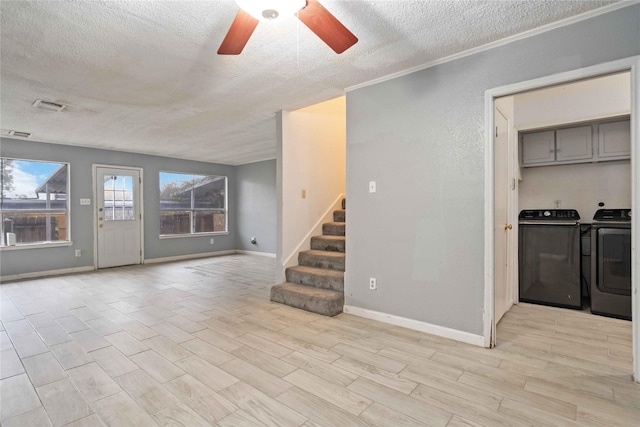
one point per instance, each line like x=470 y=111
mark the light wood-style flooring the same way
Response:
x=197 y=343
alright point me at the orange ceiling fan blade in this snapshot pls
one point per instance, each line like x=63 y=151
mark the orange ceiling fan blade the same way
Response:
x=238 y=35
x=326 y=26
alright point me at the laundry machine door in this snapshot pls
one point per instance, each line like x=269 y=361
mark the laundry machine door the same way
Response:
x=614 y=260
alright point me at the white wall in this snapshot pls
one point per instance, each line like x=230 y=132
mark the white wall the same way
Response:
x=313 y=159
x=579 y=186
x=607 y=96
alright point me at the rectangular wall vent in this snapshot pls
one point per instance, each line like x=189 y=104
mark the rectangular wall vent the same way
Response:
x=20 y=134
x=48 y=105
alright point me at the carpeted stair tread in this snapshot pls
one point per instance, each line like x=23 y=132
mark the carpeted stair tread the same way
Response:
x=339 y=215
x=328 y=243
x=322 y=259
x=316 y=277
x=333 y=228
x=315 y=300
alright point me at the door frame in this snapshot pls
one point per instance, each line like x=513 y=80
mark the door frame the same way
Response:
x=94 y=168
x=627 y=64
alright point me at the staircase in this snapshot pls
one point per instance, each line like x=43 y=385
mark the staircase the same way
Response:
x=317 y=283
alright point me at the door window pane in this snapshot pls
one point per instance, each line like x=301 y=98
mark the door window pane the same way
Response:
x=118 y=198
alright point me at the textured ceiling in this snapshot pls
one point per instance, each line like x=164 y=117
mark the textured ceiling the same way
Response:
x=143 y=76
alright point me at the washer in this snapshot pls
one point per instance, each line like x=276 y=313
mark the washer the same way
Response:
x=549 y=257
x=611 y=263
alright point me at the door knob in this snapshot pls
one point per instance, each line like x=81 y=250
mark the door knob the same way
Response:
x=99 y=218
x=508 y=226
x=100 y=226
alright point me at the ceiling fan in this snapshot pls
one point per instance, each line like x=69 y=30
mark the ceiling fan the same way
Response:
x=310 y=12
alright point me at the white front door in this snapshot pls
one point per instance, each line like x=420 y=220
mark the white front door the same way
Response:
x=502 y=228
x=119 y=217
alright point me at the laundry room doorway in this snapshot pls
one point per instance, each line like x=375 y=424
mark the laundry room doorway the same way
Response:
x=502 y=183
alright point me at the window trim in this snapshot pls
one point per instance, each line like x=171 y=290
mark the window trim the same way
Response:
x=37 y=245
x=193 y=210
x=47 y=243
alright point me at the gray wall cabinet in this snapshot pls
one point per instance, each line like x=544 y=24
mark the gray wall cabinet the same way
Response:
x=595 y=142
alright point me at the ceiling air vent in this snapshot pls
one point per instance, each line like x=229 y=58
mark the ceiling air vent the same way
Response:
x=20 y=134
x=48 y=105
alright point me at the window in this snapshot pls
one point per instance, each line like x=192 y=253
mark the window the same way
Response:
x=118 y=198
x=33 y=202
x=192 y=204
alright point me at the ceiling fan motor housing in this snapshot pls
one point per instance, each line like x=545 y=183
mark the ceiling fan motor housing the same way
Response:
x=270 y=14
x=271 y=10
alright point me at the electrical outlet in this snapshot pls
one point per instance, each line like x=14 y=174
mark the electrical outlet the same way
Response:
x=373 y=283
x=211 y=241
x=372 y=186
x=78 y=252
x=304 y=194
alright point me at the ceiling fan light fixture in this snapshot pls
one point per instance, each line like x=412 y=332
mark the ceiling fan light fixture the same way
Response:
x=271 y=10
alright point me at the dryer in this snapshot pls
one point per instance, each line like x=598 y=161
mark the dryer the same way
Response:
x=549 y=257
x=611 y=263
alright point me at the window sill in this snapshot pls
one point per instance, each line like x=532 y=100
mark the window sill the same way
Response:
x=38 y=245
x=189 y=236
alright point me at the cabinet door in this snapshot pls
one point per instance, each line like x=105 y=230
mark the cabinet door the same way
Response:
x=614 y=140
x=574 y=144
x=538 y=147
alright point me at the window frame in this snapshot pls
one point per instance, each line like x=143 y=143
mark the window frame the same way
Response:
x=192 y=209
x=67 y=211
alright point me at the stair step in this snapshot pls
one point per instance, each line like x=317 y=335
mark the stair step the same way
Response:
x=322 y=259
x=315 y=300
x=328 y=243
x=316 y=277
x=333 y=228
x=339 y=215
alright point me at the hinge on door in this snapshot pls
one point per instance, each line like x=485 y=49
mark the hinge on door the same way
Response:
x=139 y=180
x=496 y=131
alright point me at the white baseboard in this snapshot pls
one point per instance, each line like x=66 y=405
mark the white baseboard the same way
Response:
x=46 y=273
x=416 y=325
x=35 y=274
x=188 y=256
x=266 y=254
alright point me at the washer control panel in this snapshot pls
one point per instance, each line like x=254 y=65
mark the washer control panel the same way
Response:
x=612 y=215
x=549 y=214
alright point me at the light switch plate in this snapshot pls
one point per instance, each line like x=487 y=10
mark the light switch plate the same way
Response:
x=85 y=202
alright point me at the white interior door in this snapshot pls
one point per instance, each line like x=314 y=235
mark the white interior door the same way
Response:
x=502 y=226
x=119 y=217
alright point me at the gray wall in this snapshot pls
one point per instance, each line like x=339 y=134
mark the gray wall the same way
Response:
x=421 y=137
x=81 y=160
x=256 y=206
